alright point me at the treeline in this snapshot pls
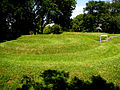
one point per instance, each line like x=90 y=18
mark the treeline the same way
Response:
x=105 y=14
x=20 y=17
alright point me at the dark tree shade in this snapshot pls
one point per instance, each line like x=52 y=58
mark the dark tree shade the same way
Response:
x=101 y=12
x=19 y=17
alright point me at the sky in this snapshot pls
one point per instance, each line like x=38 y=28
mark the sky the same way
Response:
x=80 y=5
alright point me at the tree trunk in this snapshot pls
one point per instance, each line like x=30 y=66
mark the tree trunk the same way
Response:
x=42 y=25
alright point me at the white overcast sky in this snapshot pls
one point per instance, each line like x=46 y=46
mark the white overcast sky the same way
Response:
x=80 y=5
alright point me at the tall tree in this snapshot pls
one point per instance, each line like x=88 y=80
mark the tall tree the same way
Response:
x=115 y=6
x=24 y=16
x=5 y=19
x=113 y=23
x=94 y=14
x=18 y=17
x=77 y=23
x=45 y=11
x=66 y=7
x=55 y=11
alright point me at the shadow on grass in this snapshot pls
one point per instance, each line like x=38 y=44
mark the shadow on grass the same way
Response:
x=56 y=80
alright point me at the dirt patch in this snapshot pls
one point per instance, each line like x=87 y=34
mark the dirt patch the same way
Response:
x=111 y=37
x=108 y=38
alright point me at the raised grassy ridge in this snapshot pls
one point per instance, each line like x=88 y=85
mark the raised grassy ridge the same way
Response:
x=80 y=54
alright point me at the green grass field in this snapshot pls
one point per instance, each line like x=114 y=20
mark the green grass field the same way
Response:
x=80 y=54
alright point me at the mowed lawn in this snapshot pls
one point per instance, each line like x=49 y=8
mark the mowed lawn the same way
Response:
x=80 y=54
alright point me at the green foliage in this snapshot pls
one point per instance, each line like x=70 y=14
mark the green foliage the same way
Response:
x=66 y=8
x=100 y=12
x=115 y=7
x=94 y=14
x=77 y=23
x=20 y=17
x=57 y=80
x=47 y=30
x=114 y=24
x=56 y=29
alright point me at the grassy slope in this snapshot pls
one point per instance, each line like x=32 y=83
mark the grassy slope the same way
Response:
x=80 y=54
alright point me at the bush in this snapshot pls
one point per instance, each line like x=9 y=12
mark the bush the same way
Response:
x=47 y=30
x=56 y=29
x=57 y=80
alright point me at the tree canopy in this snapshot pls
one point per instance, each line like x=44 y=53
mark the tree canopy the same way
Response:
x=77 y=23
x=100 y=12
x=18 y=17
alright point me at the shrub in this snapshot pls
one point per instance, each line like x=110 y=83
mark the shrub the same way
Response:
x=71 y=30
x=31 y=32
x=47 y=30
x=56 y=29
x=56 y=80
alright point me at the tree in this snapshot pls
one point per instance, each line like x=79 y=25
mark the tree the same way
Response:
x=5 y=19
x=55 y=11
x=2 y=22
x=77 y=23
x=94 y=14
x=113 y=23
x=89 y=22
x=24 y=16
x=105 y=13
x=66 y=7
x=18 y=17
x=115 y=7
